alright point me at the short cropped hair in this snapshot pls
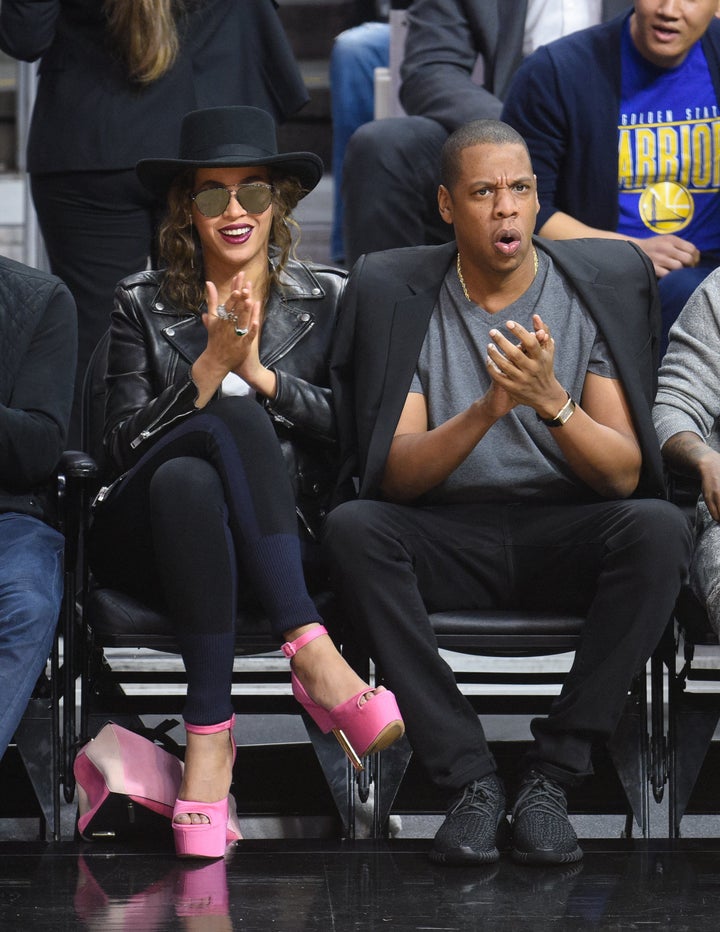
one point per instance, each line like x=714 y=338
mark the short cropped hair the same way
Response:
x=476 y=133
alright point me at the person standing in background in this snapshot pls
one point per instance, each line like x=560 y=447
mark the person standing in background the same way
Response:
x=115 y=80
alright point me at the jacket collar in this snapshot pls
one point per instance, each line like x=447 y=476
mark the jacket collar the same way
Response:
x=288 y=317
x=297 y=281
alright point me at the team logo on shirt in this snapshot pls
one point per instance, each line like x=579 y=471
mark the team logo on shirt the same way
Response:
x=666 y=207
x=668 y=170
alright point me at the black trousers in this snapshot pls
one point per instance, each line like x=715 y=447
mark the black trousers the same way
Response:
x=622 y=563
x=390 y=180
x=204 y=525
x=98 y=227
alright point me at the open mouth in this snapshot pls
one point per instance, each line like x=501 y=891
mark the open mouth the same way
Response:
x=507 y=243
x=664 y=33
x=238 y=234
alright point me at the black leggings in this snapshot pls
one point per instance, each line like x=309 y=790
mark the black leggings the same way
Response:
x=205 y=523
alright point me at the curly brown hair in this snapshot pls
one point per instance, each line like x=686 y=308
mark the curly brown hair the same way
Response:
x=180 y=250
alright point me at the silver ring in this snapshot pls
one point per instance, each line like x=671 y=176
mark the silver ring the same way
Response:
x=241 y=331
x=222 y=312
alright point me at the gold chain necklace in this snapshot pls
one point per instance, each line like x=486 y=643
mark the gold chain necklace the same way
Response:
x=462 y=280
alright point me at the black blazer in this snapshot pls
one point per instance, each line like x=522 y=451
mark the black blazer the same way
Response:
x=444 y=40
x=88 y=116
x=388 y=302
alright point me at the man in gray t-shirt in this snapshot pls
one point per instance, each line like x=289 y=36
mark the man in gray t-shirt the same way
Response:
x=493 y=400
x=451 y=374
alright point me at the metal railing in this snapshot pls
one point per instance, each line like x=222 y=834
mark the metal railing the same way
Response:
x=33 y=248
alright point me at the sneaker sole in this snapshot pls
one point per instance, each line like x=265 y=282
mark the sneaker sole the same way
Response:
x=461 y=857
x=544 y=858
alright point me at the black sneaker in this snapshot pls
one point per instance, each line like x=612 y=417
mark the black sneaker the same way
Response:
x=475 y=826
x=541 y=830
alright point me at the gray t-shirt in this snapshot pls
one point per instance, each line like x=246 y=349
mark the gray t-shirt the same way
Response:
x=517 y=458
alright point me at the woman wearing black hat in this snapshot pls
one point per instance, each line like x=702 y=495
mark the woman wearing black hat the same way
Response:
x=216 y=393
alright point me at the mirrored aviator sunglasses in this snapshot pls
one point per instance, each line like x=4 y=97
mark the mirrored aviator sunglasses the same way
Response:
x=254 y=198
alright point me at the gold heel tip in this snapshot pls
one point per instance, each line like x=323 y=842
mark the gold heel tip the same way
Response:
x=349 y=749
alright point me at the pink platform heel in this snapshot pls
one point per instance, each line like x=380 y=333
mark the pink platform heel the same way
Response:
x=202 y=891
x=207 y=839
x=361 y=728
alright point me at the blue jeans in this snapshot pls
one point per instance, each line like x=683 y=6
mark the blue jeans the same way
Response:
x=31 y=586
x=356 y=53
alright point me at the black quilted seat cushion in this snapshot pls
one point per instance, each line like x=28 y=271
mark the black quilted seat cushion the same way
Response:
x=118 y=619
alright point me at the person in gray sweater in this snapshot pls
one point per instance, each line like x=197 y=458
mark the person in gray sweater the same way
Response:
x=686 y=415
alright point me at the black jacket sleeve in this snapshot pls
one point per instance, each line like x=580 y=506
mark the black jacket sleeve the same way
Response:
x=33 y=423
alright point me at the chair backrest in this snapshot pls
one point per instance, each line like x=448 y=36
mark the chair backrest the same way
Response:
x=387 y=80
x=93 y=404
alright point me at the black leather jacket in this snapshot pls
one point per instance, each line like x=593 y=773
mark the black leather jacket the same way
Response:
x=153 y=346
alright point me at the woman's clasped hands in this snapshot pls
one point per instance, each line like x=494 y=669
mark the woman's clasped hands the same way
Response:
x=233 y=345
x=234 y=327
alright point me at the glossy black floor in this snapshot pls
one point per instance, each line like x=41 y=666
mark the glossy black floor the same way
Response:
x=318 y=886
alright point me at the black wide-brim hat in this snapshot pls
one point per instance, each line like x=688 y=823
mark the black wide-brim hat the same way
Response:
x=228 y=137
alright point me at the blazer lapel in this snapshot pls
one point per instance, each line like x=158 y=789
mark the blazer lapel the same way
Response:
x=406 y=332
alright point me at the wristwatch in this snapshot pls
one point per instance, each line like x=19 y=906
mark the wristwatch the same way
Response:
x=563 y=415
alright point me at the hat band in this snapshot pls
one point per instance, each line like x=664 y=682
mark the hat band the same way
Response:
x=234 y=151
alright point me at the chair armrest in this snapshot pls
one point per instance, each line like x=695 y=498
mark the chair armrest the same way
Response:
x=75 y=464
x=77 y=479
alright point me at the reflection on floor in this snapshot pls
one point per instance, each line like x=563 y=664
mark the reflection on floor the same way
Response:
x=303 y=886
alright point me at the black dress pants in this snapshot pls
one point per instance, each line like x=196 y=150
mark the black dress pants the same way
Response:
x=621 y=563
x=98 y=227
x=390 y=180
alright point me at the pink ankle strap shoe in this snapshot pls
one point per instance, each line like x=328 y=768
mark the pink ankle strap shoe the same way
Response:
x=207 y=839
x=367 y=722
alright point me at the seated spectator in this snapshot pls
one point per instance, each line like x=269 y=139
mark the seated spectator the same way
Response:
x=38 y=346
x=221 y=434
x=622 y=123
x=687 y=420
x=494 y=404
x=460 y=56
x=355 y=55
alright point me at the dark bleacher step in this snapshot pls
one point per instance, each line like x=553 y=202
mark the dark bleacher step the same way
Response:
x=311 y=128
x=311 y=25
